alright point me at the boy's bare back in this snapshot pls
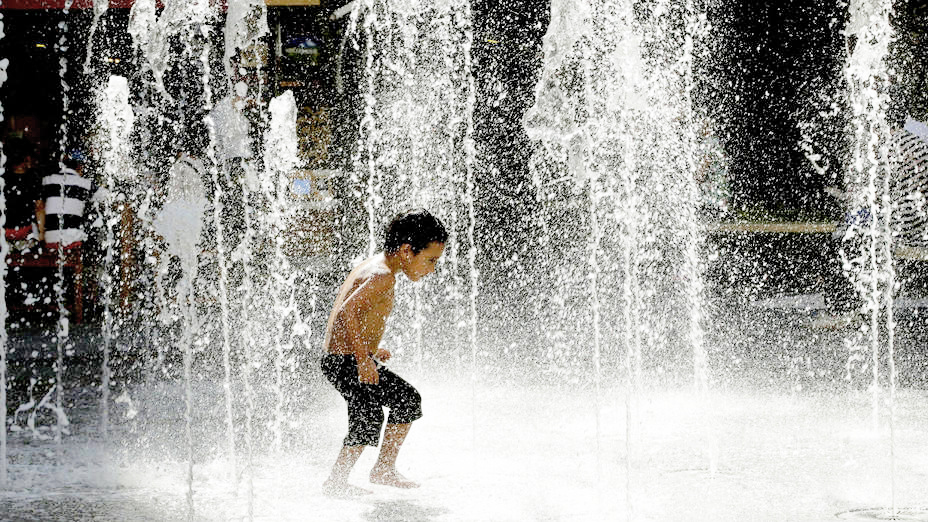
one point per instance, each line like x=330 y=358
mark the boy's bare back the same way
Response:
x=360 y=312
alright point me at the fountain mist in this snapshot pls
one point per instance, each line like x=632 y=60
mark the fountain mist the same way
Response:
x=180 y=223
x=280 y=158
x=868 y=258
x=616 y=126
x=4 y=251
x=617 y=131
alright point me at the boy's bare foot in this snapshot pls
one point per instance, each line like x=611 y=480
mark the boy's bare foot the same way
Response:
x=331 y=488
x=389 y=477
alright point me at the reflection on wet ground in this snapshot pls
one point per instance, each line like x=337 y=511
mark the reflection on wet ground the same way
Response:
x=781 y=407
x=97 y=506
x=406 y=510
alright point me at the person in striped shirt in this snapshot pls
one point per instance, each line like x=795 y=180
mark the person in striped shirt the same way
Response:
x=66 y=195
x=908 y=219
x=909 y=185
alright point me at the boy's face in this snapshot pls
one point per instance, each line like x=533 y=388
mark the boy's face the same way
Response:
x=422 y=264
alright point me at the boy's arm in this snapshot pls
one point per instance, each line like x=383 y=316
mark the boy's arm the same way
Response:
x=40 y=218
x=355 y=306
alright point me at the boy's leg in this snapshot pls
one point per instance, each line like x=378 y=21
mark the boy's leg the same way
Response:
x=346 y=460
x=405 y=406
x=365 y=416
x=384 y=471
x=337 y=483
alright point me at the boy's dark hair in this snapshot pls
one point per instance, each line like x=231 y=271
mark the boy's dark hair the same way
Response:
x=417 y=228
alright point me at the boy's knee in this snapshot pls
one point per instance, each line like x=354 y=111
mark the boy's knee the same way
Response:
x=407 y=409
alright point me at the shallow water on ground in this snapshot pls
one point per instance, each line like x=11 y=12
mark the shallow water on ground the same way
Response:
x=505 y=453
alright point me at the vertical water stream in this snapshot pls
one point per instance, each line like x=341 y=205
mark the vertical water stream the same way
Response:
x=4 y=251
x=869 y=251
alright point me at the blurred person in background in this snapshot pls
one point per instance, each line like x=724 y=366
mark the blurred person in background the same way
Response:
x=66 y=195
x=25 y=207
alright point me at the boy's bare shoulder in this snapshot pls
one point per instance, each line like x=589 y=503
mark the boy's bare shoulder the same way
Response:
x=373 y=273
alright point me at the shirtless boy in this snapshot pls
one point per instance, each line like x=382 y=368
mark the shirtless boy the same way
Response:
x=413 y=244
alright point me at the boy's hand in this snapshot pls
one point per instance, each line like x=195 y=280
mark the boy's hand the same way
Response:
x=367 y=371
x=382 y=355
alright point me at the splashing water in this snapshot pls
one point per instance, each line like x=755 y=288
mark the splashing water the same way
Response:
x=604 y=90
x=866 y=75
x=280 y=158
x=180 y=223
x=152 y=33
x=868 y=259
x=4 y=251
x=61 y=327
x=246 y=23
x=99 y=9
x=117 y=121
x=615 y=123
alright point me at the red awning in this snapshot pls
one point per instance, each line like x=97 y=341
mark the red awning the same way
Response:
x=58 y=4
x=76 y=4
x=125 y=4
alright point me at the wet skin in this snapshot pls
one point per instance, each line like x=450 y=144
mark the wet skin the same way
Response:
x=365 y=300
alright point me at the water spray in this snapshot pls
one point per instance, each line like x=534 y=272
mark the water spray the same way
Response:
x=4 y=252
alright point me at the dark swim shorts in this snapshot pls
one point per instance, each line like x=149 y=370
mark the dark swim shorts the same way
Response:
x=366 y=401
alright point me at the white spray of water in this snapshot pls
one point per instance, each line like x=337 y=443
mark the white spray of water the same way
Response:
x=281 y=148
x=117 y=120
x=870 y=260
x=613 y=108
x=61 y=327
x=212 y=127
x=365 y=155
x=558 y=131
x=222 y=258
x=246 y=23
x=415 y=148
x=595 y=308
x=4 y=252
x=151 y=33
x=99 y=9
x=249 y=345
x=180 y=223
x=470 y=194
x=151 y=38
x=249 y=302
x=697 y=29
x=249 y=360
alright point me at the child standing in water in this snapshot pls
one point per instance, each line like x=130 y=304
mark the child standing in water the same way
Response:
x=413 y=244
